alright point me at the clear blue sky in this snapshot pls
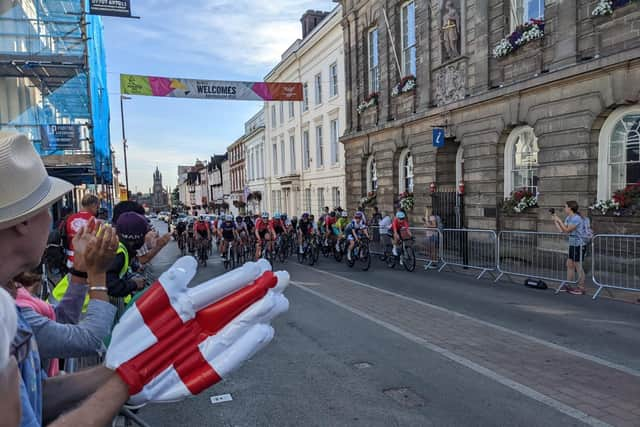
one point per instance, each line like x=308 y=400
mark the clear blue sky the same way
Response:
x=207 y=39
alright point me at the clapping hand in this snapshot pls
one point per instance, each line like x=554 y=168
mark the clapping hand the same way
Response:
x=95 y=247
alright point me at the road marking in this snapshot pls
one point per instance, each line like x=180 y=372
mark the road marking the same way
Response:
x=521 y=388
x=589 y=357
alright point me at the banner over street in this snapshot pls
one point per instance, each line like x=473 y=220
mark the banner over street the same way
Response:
x=209 y=89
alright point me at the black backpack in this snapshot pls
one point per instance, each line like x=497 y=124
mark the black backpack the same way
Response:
x=55 y=254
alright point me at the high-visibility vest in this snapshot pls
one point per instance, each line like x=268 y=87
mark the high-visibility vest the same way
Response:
x=61 y=288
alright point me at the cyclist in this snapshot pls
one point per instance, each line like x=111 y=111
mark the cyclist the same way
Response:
x=276 y=226
x=181 y=228
x=339 y=228
x=294 y=223
x=355 y=230
x=190 y=241
x=228 y=233
x=241 y=227
x=202 y=230
x=262 y=232
x=399 y=230
x=305 y=230
x=329 y=221
x=248 y=222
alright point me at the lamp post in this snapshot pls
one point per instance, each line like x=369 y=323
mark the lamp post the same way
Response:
x=124 y=142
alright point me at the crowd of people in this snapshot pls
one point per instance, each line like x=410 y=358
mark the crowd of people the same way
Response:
x=102 y=259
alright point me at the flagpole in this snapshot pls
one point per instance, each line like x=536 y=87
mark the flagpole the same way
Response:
x=393 y=43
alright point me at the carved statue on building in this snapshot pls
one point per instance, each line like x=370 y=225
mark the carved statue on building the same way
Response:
x=450 y=30
x=451 y=83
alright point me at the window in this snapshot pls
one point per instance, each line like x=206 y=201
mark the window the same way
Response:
x=319 y=148
x=305 y=97
x=333 y=80
x=282 y=157
x=281 y=112
x=307 y=200
x=372 y=175
x=320 y=199
x=335 y=197
x=273 y=116
x=306 y=154
x=292 y=152
x=522 y=11
x=374 y=62
x=291 y=109
x=275 y=160
x=406 y=171
x=408 y=15
x=318 y=82
x=521 y=161
x=619 y=151
x=335 y=136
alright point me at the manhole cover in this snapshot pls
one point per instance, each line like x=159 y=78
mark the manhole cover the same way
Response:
x=362 y=365
x=405 y=396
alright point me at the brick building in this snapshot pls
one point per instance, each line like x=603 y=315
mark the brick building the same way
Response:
x=558 y=115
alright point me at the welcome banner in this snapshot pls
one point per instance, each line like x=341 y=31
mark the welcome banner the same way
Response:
x=209 y=89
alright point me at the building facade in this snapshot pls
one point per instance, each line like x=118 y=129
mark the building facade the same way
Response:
x=237 y=172
x=216 y=180
x=304 y=161
x=159 y=195
x=542 y=97
x=254 y=148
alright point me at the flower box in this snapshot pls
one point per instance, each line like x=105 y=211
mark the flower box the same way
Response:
x=407 y=84
x=523 y=34
x=606 y=7
x=519 y=202
x=370 y=101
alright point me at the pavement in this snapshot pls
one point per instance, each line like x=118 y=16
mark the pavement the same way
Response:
x=387 y=347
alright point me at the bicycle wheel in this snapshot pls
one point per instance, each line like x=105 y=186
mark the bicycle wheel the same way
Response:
x=409 y=259
x=282 y=252
x=364 y=257
x=337 y=254
x=389 y=258
x=315 y=253
x=351 y=262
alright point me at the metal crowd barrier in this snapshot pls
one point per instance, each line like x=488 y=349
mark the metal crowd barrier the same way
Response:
x=426 y=245
x=615 y=262
x=535 y=255
x=469 y=248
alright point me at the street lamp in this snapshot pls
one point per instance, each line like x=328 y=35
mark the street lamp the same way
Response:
x=124 y=142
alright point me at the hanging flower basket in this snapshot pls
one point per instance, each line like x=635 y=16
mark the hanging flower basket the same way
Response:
x=407 y=84
x=523 y=34
x=520 y=201
x=406 y=201
x=369 y=101
x=606 y=7
x=256 y=195
x=239 y=204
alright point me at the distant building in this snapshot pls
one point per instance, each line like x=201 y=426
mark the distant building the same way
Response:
x=159 y=196
x=236 y=155
x=254 y=163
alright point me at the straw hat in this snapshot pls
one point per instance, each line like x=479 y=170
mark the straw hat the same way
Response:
x=25 y=186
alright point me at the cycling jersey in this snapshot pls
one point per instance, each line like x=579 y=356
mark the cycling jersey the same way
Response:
x=227 y=229
x=201 y=227
x=190 y=228
x=181 y=227
x=341 y=224
x=241 y=226
x=305 y=227
x=249 y=225
x=399 y=225
x=277 y=225
x=262 y=226
x=329 y=221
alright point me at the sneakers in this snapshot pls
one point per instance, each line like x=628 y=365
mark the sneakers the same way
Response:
x=395 y=251
x=576 y=291
x=349 y=256
x=300 y=250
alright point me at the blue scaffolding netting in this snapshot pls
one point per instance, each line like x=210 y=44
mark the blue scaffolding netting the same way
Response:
x=51 y=75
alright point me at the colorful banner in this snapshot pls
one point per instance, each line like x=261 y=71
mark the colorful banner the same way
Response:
x=209 y=89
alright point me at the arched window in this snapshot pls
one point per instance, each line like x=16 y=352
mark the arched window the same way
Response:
x=459 y=166
x=405 y=177
x=521 y=161
x=372 y=174
x=619 y=151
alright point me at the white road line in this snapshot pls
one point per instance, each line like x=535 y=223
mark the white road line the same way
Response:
x=521 y=388
x=589 y=357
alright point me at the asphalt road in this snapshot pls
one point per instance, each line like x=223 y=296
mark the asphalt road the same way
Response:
x=332 y=364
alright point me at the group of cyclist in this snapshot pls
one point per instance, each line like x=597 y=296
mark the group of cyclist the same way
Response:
x=333 y=228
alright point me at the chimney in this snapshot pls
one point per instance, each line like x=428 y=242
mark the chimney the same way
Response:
x=310 y=20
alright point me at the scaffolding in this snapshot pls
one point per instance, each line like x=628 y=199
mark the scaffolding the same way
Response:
x=53 y=72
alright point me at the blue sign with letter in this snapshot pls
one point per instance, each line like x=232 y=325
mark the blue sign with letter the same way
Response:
x=438 y=137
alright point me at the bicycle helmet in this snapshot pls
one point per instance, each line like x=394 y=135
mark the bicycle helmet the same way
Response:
x=247 y=218
x=305 y=215
x=201 y=217
x=344 y=214
x=265 y=215
x=284 y=216
x=228 y=218
x=400 y=215
x=238 y=218
x=276 y=215
x=358 y=215
x=333 y=214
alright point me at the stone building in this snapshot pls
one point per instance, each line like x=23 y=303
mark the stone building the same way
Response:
x=159 y=196
x=237 y=180
x=254 y=149
x=551 y=107
x=304 y=160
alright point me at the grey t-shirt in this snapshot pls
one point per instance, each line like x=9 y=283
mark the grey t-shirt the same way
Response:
x=574 y=236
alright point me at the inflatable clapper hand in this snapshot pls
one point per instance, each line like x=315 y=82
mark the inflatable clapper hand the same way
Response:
x=176 y=341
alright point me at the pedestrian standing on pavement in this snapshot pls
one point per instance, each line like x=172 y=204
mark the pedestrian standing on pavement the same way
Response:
x=573 y=225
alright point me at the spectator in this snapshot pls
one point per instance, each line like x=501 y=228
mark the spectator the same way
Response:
x=126 y=206
x=376 y=217
x=9 y=376
x=434 y=223
x=76 y=221
x=153 y=242
x=573 y=225
x=24 y=224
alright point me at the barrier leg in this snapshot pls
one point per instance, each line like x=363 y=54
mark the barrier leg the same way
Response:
x=600 y=288
x=499 y=277
x=562 y=285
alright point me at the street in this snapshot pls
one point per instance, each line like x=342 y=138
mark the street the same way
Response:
x=387 y=347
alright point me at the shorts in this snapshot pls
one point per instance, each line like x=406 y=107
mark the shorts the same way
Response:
x=263 y=233
x=336 y=231
x=577 y=253
x=202 y=234
x=228 y=236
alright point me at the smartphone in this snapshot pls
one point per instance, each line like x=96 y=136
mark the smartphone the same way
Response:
x=552 y=211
